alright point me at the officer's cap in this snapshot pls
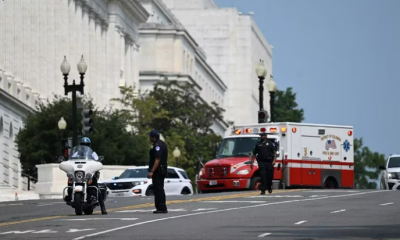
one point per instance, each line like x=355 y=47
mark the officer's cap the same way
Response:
x=153 y=133
x=263 y=134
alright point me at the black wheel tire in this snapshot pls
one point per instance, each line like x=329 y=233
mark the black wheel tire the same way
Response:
x=150 y=192
x=330 y=184
x=78 y=203
x=185 y=191
x=88 y=211
x=254 y=182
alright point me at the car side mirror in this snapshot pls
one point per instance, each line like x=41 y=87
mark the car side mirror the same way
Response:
x=115 y=178
x=382 y=167
x=101 y=158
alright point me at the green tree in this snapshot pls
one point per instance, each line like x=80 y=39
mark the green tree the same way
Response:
x=39 y=142
x=184 y=119
x=286 y=107
x=365 y=159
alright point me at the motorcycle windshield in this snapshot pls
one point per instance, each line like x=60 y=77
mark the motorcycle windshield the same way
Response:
x=82 y=152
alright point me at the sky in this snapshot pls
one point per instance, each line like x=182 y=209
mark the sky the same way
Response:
x=342 y=59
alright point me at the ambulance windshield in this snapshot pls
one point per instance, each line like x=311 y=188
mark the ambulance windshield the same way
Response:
x=237 y=147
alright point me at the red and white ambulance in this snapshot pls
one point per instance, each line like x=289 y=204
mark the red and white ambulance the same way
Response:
x=310 y=155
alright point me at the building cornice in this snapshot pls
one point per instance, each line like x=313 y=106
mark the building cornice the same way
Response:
x=14 y=102
x=162 y=29
x=136 y=9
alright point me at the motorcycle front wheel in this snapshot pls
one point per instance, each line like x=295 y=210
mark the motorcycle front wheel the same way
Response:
x=78 y=201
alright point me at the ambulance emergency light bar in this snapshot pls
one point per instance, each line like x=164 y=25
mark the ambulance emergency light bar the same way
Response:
x=271 y=130
x=257 y=130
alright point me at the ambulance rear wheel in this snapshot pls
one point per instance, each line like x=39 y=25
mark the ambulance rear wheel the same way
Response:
x=330 y=183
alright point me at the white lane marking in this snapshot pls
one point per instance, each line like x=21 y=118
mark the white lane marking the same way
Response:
x=203 y=209
x=46 y=231
x=84 y=219
x=221 y=210
x=79 y=230
x=17 y=232
x=233 y=201
x=342 y=210
x=48 y=204
x=318 y=195
x=301 y=222
x=384 y=204
x=176 y=210
x=276 y=196
x=15 y=204
x=264 y=234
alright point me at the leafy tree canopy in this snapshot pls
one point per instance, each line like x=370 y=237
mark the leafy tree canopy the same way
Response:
x=184 y=119
x=286 y=108
x=39 y=142
x=365 y=159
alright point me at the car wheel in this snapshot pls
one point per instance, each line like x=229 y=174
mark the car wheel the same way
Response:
x=150 y=192
x=185 y=191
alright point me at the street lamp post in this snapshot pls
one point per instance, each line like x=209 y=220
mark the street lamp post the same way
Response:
x=177 y=154
x=271 y=85
x=62 y=124
x=261 y=73
x=65 y=68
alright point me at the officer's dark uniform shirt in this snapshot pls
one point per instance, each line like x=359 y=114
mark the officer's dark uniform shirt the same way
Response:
x=160 y=151
x=265 y=150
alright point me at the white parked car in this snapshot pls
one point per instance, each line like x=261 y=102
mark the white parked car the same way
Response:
x=390 y=177
x=134 y=182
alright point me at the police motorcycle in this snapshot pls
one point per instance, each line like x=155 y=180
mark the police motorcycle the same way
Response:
x=83 y=173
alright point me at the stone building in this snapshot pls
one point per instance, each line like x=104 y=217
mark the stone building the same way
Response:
x=234 y=46
x=34 y=38
x=168 y=50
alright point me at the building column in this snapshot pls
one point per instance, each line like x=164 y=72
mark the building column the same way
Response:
x=9 y=37
x=2 y=36
x=92 y=79
x=86 y=46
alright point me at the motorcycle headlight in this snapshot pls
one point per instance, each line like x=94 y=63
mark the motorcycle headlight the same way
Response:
x=243 y=172
x=79 y=176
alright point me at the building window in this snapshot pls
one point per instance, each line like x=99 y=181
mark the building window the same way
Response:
x=183 y=61
x=1 y=125
x=11 y=131
x=187 y=63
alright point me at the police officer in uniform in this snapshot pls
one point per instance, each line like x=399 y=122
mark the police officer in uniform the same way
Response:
x=158 y=170
x=265 y=152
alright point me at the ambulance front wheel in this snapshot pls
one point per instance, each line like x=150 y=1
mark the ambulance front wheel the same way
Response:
x=255 y=183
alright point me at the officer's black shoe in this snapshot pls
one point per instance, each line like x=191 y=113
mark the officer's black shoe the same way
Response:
x=158 y=211
x=262 y=193
x=103 y=211
x=270 y=190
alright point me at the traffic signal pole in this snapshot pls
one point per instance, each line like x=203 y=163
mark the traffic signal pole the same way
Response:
x=74 y=88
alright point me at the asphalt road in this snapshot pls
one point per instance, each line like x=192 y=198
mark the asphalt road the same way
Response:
x=304 y=214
